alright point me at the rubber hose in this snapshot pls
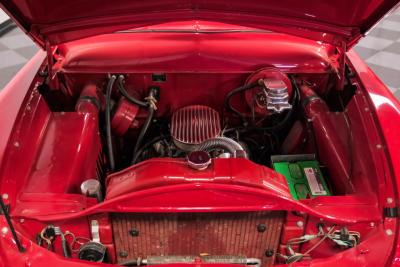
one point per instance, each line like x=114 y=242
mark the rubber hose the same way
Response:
x=221 y=142
x=110 y=150
x=142 y=133
x=127 y=95
x=147 y=145
x=227 y=102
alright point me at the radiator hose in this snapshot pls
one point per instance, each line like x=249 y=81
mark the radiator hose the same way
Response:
x=233 y=147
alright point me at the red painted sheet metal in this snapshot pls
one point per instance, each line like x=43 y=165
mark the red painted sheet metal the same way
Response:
x=234 y=234
x=175 y=52
x=59 y=21
x=159 y=172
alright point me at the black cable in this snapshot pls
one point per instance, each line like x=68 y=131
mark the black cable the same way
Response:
x=11 y=226
x=227 y=102
x=147 y=145
x=110 y=149
x=151 y=110
x=127 y=95
x=145 y=127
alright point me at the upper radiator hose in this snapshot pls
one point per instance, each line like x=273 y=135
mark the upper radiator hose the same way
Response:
x=233 y=147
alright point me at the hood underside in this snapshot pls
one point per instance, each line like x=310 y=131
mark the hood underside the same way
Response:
x=336 y=22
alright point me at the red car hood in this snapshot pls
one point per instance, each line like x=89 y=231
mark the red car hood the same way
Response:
x=335 y=21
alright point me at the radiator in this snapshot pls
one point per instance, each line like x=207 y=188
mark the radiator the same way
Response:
x=249 y=234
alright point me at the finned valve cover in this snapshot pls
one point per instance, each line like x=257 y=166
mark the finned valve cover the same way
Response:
x=193 y=125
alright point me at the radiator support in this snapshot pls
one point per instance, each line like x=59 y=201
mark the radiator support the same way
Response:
x=244 y=234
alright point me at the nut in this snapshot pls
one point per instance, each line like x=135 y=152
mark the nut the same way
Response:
x=261 y=228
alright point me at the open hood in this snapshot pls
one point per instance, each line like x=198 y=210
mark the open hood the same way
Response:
x=340 y=22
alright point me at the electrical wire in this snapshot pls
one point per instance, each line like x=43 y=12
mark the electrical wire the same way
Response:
x=295 y=257
x=76 y=240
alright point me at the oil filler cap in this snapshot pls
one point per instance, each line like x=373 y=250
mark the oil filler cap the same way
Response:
x=199 y=160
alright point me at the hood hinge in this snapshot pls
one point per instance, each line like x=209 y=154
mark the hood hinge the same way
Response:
x=338 y=63
x=392 y=212
x=51 y=62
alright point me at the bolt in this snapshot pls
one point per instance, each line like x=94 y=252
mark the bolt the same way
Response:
x=4 y=230
x=261 y=228
x=389 y=232
x=134 y=232
x=16 y=144
x=389 y=200
x=123 y=254
x=372 y=224
x=269 y=252
x=378 y=146
x=43 y=73
x=366 y=109
x=5 y=196
x=300 y=224
x=22 y=220
x=28 y=108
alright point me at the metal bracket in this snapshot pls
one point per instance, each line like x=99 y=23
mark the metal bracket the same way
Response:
x=94 y=228
x=53 y=81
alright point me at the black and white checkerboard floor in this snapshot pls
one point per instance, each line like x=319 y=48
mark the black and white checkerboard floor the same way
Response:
x=380 y=49
x=15 y=50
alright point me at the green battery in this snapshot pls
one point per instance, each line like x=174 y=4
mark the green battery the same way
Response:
x=303 y=175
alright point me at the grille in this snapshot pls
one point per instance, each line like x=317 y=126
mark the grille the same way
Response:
x=236 y=234
x=193 y=125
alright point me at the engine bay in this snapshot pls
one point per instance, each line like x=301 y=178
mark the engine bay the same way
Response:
x=263 y=168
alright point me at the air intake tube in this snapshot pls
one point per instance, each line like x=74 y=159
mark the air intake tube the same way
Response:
x=335 y=153
x=233 y=147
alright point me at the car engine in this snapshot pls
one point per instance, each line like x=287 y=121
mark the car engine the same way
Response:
x=202 y=128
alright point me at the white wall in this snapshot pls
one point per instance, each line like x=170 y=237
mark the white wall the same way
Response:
x=3 y=16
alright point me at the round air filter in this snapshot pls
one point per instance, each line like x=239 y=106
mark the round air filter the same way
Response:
x=193 y=125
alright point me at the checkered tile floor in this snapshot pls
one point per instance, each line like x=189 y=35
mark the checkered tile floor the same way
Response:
x=380 y=49
x=15 y=50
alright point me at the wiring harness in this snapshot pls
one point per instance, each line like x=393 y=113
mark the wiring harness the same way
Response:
x=343 y=238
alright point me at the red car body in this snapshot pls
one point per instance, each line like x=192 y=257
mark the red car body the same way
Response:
x=47 y=150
